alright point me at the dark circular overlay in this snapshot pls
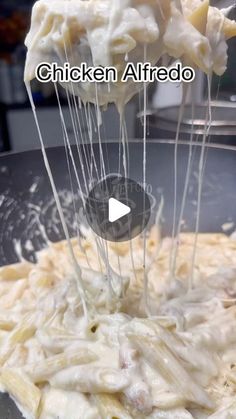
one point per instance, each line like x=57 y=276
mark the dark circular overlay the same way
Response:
x=129 y=193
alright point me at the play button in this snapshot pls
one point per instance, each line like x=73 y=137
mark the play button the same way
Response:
x=117 y=208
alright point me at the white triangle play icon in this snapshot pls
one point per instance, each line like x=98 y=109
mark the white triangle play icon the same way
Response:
x=117 y=210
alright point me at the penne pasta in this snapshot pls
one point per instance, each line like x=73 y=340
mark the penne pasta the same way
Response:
x=7 y=322
x=22 y=390
x=43 y=370
x=109 y=407
x=20 y=334
x=121 y=365
x=15 y=272
x=199 y=16
x=91 y=379
x=168 y=400
x=161 y=358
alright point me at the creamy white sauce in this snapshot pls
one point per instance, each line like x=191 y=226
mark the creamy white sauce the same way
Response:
x=193 y=333
x=169 y=364
x=107 y=32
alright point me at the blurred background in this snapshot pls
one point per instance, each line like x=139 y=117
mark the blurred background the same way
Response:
x=17 y=128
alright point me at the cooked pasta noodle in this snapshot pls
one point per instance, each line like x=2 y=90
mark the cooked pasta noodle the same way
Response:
x=176 y=363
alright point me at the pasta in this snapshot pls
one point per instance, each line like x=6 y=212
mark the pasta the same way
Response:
x=22 y=390
x=110 y=33
x=109 y=407
x=119 y=364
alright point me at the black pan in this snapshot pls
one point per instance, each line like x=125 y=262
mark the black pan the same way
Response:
x=26 y=201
